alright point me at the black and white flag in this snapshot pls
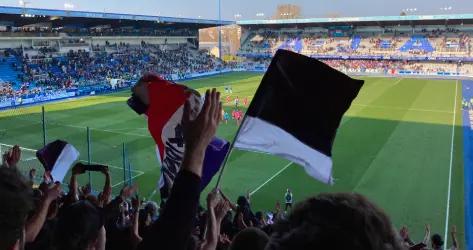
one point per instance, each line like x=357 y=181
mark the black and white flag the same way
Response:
x=296 y=112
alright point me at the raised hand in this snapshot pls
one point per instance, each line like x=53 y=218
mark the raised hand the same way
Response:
x=78 y=169
x=135 y=203
x=53 y=192
x=105 y=170
x=404 y=233
x=213 y=199
x=11 y=157
x=199 y=132
x=128 y=191
x=222 y=209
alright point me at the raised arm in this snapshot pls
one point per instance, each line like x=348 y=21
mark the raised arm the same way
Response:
x=36 y=222
x=427 y=234
x=135 y=236
x=232 y=205
x=107 y=187
x=73 y=194
x=11 y=157
x=453 y=233
x=173 y=230
x=217 y=209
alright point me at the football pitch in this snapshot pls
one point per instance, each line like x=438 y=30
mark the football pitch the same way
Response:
x=400 y=144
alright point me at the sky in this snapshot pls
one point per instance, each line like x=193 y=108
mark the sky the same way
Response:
x=247 y=9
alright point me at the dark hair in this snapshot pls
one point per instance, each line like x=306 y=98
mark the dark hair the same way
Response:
x=259 y=215
x=335 y=221
x=250 y=238
x=242 y=201
x=78 y=226
x=437 y=240
x=17 y=201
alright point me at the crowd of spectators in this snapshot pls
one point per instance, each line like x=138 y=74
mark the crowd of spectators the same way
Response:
x=48 y=217
x=97 y=31
x=387 y=67
x=48 y=71
x=446 y=42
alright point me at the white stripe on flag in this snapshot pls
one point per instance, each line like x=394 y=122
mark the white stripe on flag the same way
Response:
x=260 y=136
x=64 y=162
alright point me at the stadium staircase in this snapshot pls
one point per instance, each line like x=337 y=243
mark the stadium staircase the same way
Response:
x=417 y=42
x=355 y=42
x=7 y=72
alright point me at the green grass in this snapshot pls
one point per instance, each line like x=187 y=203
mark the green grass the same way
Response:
x=394 y=146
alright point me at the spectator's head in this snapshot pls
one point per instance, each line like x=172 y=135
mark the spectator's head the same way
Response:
x=242 y=201
x=80 y=227
x=437 y=241
x=17 y=201
x=335 y=221
x=250 y=239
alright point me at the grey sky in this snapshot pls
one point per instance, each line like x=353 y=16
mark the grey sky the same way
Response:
x=248 y=8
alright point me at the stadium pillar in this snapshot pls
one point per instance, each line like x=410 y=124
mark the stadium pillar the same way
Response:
x=43 y=123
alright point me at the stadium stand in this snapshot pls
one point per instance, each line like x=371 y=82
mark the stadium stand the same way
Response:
x=423 y=47
x=75 y=54
x=43 y=58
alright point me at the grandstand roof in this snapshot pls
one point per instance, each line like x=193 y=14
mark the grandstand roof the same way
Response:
x=368 y=21
x=17 y=15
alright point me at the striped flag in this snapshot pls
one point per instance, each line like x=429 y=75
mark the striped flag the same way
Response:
x=57 y=158
x=164 y=113
x=296 y=111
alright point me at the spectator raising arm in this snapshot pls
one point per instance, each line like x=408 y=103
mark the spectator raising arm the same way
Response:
x=217 y=209
x=11 y=157
x=36 y=222
x=454 y=238
x=426 y=240
x=104 y=197
x=173 y=229
x=73 y=194
x=135 y=236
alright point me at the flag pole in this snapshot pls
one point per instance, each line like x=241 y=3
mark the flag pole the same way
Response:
x=230 y=150
x=224 y=163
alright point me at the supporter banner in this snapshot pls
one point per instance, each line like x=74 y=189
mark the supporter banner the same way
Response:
x=164 y=113
x=296 y=112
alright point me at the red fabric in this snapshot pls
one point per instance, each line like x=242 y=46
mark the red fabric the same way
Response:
x=165 y=99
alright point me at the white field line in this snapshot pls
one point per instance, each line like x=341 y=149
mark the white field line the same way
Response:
x=451 y=164
x=103 y=130
x=398 y=81
x=271 y=178
x=91 y=128
x=121 y=182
